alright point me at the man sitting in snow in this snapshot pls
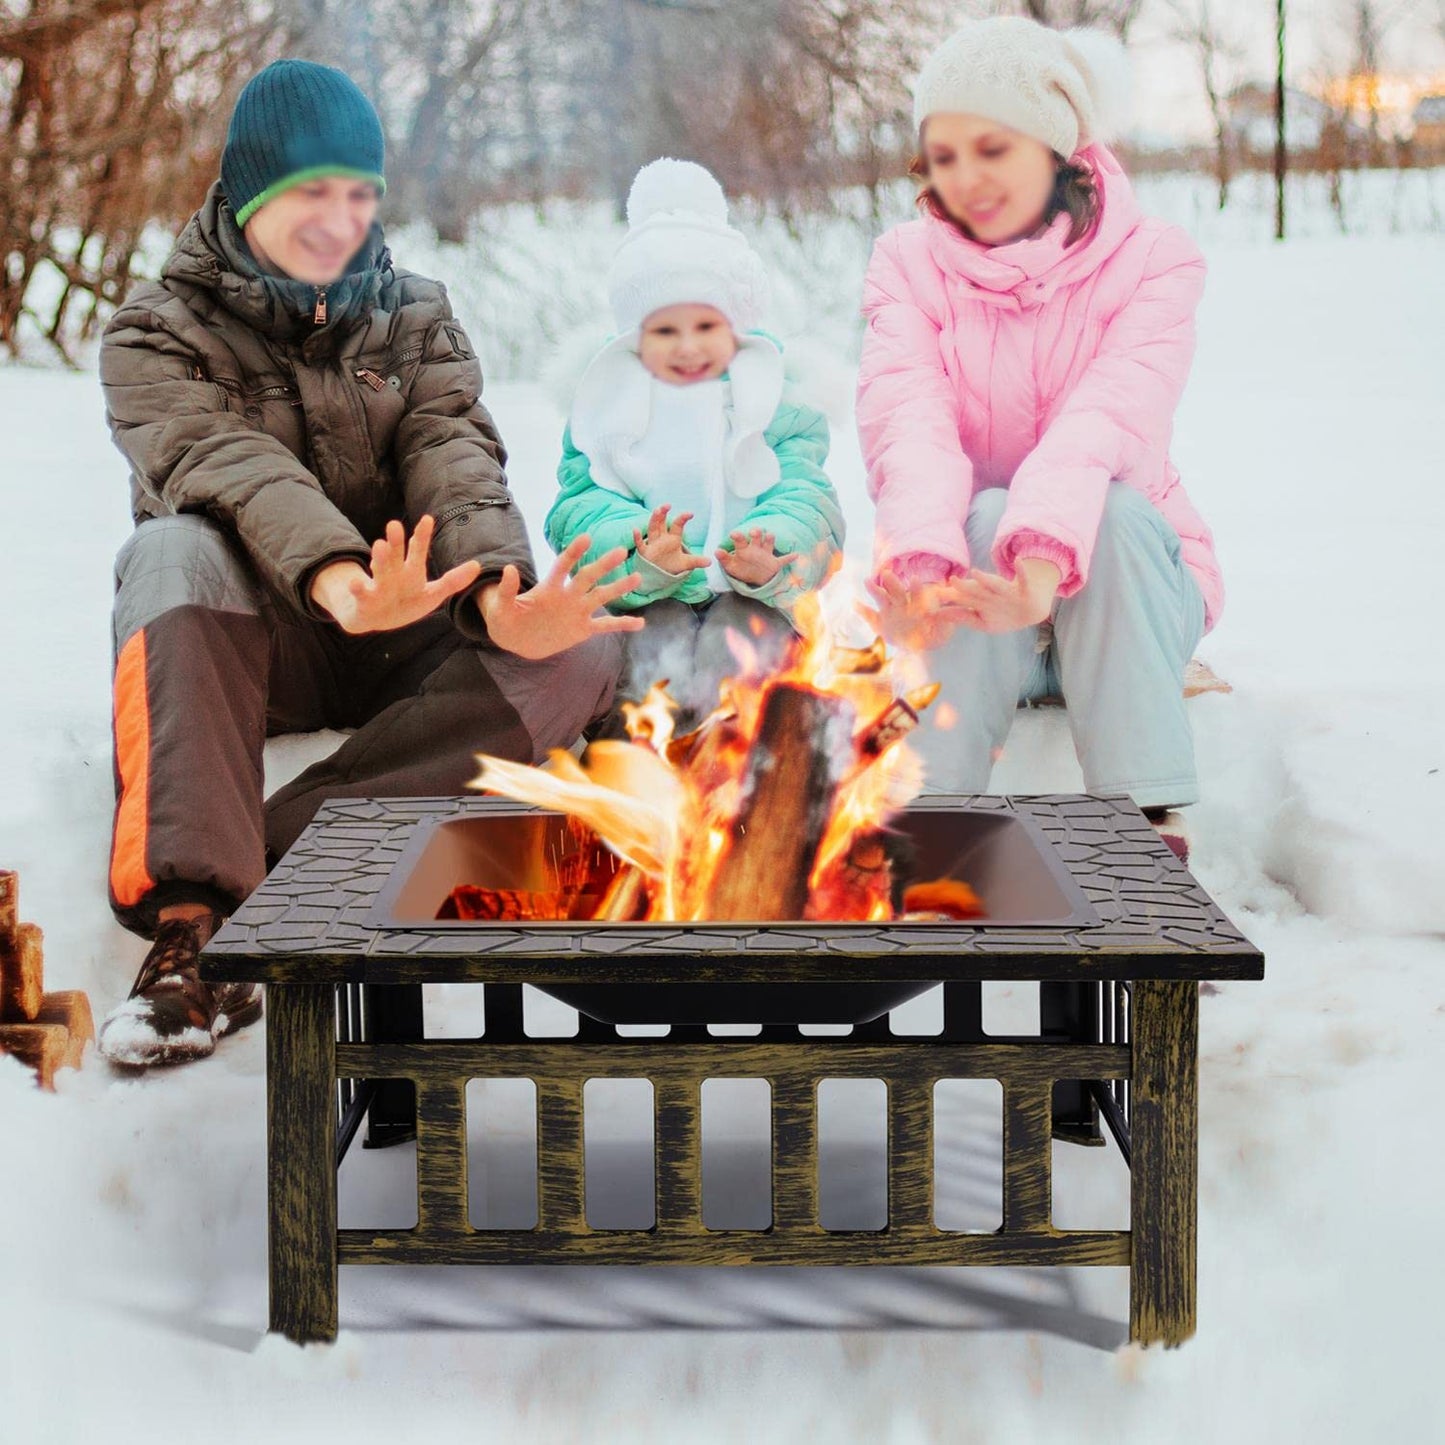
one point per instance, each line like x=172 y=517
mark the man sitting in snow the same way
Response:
x=292 y=406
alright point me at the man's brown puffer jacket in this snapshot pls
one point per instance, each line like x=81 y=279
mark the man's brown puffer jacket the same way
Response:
x=303 y=419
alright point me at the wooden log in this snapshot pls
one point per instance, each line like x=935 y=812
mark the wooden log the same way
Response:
x=803 y=742
x=22 y=975
x=9 y=907
x=71 y=1009
x=626 y=896
x=41 y=1047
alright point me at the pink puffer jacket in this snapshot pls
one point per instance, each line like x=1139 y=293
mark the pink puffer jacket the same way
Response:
x=1046 y=370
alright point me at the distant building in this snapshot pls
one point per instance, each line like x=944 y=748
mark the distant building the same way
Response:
x=1428 y=120
x=1250 y=120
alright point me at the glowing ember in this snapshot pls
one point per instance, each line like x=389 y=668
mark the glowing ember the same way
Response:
x=777 y=806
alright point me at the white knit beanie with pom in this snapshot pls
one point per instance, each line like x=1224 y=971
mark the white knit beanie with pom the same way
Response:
x=679 y=249
x=1066 y=88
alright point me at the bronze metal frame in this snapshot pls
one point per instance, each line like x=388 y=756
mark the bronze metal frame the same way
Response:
x=1120 y=1041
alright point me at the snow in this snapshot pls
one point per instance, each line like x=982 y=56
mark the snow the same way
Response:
x=132 y=1209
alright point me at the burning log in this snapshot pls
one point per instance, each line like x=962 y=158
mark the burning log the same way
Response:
x=788 y=790
x=771 y=810
x=626 y=898
x=857 y=885
x=896 y=721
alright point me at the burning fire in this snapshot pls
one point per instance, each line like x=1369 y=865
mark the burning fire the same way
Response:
x=775 y=807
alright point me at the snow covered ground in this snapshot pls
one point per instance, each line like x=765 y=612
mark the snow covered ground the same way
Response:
x=132 y=1237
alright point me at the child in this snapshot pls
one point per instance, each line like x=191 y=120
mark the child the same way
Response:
x=687 y=445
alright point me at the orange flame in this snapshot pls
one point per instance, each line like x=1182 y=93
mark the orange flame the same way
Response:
x=667 y=805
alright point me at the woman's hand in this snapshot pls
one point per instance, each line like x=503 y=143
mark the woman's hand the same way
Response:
x=663 y=545
x=561 y=610
x=395 y=593
x=987 y=603
x=753 y=560
x=917 y=617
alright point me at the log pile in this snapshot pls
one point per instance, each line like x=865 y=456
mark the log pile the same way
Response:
x=44 y=1031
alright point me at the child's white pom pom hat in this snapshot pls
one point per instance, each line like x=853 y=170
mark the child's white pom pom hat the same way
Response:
x=679 y=249
x=1066 y=88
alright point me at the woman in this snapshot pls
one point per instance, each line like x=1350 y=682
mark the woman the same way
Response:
x=1028 y=340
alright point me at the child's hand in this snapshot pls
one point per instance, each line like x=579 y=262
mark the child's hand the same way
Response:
x=663 y=545
x=752 y=560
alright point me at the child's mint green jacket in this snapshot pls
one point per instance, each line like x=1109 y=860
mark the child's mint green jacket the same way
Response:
x=801 y=510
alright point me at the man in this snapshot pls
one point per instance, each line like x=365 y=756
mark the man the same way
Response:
x=292 y=407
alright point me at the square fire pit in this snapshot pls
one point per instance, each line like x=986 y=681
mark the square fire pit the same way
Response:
x=1005 y=857
x=1081 y=896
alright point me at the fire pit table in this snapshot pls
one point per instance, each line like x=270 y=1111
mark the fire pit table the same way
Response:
x=1083 y=897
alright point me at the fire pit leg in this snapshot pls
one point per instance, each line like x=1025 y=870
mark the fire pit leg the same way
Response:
x=301 y=1158
x=1164 y=1125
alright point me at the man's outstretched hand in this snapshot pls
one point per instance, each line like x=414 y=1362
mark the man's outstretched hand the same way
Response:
x=395 y=592
x=561 y=610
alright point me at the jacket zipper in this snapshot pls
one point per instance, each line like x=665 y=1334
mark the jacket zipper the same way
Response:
x=374 y=381
x=265 y=393
x=460 y=507
x=318 y=317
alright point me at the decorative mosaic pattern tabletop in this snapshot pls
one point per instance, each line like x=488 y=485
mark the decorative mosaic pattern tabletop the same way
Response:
x=308 y=921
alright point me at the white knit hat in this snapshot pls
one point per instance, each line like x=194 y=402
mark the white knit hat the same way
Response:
x=1066 y=88
x=679 y=249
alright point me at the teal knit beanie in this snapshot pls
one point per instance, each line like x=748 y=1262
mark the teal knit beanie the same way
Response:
x=293 y=122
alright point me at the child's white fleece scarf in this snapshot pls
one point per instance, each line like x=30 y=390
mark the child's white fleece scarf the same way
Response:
x=636 y=433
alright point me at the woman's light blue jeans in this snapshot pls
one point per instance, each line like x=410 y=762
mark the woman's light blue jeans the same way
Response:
x=1117 y=657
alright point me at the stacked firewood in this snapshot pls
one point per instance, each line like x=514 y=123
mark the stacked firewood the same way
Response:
x=45 y=1031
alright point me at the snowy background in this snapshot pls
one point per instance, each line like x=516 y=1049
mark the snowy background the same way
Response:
x=132 y=1211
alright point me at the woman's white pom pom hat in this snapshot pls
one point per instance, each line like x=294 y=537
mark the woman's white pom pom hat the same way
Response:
x=679 y=249
x=1066 y=88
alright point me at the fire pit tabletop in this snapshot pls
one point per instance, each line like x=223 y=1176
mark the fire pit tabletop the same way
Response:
x=313 y=919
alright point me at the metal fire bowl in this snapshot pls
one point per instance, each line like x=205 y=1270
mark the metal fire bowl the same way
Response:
x=1004 y=857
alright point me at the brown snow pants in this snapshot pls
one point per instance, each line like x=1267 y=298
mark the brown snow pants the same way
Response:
x=207 y=666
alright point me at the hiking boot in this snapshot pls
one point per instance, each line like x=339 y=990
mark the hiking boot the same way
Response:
x=1172 y=828
x=172 y=1015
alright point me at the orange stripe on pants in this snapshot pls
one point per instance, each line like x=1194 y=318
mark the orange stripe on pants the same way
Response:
x=130 y=880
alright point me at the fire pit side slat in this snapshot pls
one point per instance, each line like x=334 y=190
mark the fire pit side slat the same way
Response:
x=910 y=1153
x=795 y=1153
x=1027 y=1156
x=441 y=1156
x=561 y=1182
x=678 y=1117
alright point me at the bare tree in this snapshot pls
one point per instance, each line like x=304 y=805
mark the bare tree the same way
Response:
x=780 y=98
x=1218 y=54
x=107 y=121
